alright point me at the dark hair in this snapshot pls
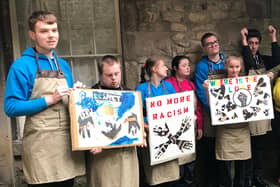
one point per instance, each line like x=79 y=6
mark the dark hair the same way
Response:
x=40 y=15
x=205 y=36
x=107 y=59
x=254 y=33
x=176 y=61
x=146 y=70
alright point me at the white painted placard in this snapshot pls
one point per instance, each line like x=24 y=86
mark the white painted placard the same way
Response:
x=171 y=126
x=106 y=118
x=241 y=99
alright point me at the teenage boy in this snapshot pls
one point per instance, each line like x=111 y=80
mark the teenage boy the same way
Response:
x=37 y=84
x=112 y=167
x=210 y=66
x=257 y=64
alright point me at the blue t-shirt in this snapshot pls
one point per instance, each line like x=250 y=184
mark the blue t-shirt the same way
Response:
x=154 y=91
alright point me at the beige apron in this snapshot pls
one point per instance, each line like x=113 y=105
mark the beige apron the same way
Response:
x=116 y=167
x=160 y=173
x=233 y=142
x=259 y=127
x=191 y=157
x=47 y=155
x=187 y=159
x=208 y=129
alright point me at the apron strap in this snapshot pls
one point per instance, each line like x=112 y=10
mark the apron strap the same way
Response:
x=37 y=62
x=180 y=88
x=149 y=88
x=48 y=73
x=219 y=70
x=178 y=84
x=190 y=84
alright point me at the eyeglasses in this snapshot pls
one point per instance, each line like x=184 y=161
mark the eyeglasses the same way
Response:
x=211 y=44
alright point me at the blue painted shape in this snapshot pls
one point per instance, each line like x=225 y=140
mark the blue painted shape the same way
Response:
x=87 y=102
x=124 y=140
x=128 y=101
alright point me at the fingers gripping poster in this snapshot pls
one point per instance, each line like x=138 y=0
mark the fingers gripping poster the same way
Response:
x=171 y=126
x=241 y=99
x=106 y=118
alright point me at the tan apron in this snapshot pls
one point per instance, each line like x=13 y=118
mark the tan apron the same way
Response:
x=160 y=173
x=233 y=142
x=259 y=127
x=191 y=157
x=208 y=129
x=47 y=155
x=116 y=167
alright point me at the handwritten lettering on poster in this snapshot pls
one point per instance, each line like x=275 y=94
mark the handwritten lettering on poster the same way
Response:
x=171 y=124
x=106 y=118
x=241 y=99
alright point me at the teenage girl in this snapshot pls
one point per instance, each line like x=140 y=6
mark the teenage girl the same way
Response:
x=162 y=174
x=180 y=80
x=232 y=141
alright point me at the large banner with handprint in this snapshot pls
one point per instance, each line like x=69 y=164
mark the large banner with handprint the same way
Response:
x=240 y=99
x=106 y=118
x=171 y=126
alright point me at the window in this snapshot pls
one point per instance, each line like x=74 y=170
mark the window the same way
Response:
x=88 y=30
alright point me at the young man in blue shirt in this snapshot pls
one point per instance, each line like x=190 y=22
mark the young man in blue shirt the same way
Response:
x=38 y=85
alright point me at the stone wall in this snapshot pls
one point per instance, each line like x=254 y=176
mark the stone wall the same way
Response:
x=174 y=27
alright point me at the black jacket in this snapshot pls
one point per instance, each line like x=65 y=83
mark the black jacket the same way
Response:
x=264 y=60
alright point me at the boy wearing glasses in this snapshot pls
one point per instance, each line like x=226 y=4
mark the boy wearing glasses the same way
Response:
x=256 y=64
x=211 y=66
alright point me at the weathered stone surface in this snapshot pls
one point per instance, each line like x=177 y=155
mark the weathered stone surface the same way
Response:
x=237 y=10
x=131 y=74
x=258 y=9
x=199 y=27
x=130 y=23
x=180 y=39
x=151 y=43
x=165 y=5
x=129 y=51
x=275 y=8
x=179 y=5
x=177 y=27
x=177 y=50
x=229 y=34
x=195 y=46
x=141 y=60
x=149 y=15
x=198 y=17
x=201 y=33
x=154 y=27
x=172 y=16
x=219 y=14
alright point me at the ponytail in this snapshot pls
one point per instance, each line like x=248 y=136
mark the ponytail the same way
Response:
x=143 y=74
